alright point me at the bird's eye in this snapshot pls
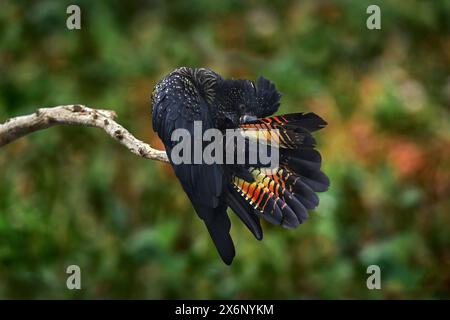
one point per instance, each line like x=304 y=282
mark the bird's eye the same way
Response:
x=242 y=107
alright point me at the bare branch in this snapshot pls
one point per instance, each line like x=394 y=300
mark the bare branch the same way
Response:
x=44 y=118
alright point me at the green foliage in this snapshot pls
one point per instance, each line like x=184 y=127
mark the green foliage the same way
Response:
x=73 y=196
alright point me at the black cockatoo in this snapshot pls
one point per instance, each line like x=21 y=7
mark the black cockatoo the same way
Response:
x=282 y=196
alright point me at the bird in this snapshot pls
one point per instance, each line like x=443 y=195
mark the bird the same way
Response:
x=282 y=195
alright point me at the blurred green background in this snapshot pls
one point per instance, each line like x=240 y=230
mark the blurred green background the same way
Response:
x=72 y=195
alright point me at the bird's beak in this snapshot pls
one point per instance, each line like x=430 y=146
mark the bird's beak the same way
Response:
x=247 y=118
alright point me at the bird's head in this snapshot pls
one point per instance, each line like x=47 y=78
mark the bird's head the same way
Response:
x=240 y=101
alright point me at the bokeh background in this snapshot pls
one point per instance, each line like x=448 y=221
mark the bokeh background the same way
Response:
x=72 y=195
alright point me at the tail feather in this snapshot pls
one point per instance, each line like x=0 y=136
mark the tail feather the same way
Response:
x=310 y=121
x=270 y=200
x=313 y=177
x=296 y=205
x=286 y=136
x=280 y=195
x=245 y=212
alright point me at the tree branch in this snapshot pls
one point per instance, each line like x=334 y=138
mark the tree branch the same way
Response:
x=44 y=118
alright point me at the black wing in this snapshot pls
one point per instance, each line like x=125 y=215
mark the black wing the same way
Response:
x=178 y=102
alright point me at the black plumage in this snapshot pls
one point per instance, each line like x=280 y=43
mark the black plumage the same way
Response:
x=281 y=196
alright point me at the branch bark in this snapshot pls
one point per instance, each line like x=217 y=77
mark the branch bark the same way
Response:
x=43 y=118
